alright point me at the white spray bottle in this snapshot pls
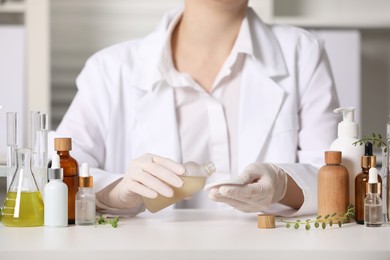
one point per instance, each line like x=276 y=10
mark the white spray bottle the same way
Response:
x=348 y=133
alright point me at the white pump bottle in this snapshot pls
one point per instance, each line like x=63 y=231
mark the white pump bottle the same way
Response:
x=348 y=133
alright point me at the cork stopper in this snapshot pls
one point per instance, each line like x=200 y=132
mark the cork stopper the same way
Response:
x=265 y=221
x=333 y=157
x=63 y=144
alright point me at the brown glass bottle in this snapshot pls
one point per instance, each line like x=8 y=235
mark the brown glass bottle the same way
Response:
x=368 y=160
x=71 y=173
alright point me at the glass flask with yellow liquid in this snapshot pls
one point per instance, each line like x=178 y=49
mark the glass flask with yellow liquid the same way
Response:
x=23 y=206
x=194 y=180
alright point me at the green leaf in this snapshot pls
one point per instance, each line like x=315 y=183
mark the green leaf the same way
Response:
x=330 y=223
x=296 y=226
x=308 y=220
x=298 y=220
x=319 y=217
x=379 y=145
x=327 y=216
x=323 y=225
x=379 y=136
x=307 y=227
x=103 y=221
x=316 y=224
x=288 y=225
x=334 y=214
x=339 y=223
x=373 y=135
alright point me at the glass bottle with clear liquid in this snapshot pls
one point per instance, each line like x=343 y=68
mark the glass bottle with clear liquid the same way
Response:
x=373 y=202
x=194 y=180
x=23 y=206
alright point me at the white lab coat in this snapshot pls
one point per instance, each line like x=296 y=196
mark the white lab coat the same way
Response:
x=124 y=107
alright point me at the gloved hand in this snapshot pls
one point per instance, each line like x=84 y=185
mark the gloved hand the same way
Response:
x=147 y=176
x=263 y=184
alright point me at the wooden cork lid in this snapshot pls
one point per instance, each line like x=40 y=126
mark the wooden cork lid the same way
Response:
x=265 y=221
x=63 y=144
x=333 y=157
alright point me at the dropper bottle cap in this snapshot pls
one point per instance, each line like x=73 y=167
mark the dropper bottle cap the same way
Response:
x=373 y=186
x=55 y=172
x=368 y=160
x=85 y=179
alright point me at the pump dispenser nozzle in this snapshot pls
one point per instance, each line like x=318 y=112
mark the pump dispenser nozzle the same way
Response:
x=348 y=127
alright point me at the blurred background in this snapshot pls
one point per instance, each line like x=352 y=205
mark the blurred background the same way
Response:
x=45 y=43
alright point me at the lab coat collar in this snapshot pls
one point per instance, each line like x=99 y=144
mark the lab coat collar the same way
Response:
x=266 y=49
x=151 y=52
x=255 y=39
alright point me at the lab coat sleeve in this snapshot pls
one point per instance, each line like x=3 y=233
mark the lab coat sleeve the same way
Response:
x=318 y=123
x=87 y=122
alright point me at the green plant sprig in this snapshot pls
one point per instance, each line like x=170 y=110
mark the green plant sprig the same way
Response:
x=100 y=220
x=375 y=139
x=329 y=219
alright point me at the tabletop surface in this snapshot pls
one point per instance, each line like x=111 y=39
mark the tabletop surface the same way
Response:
x=194 y=234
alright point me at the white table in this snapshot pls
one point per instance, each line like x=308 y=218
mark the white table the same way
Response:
x=194 y=234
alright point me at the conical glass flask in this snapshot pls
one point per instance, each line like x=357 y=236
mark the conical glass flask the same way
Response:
x=23 y=206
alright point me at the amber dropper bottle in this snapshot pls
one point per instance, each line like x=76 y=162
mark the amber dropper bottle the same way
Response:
x=71 y=173
x=368 y=160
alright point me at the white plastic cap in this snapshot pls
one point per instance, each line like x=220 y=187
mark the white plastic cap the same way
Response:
x=55 y=161
x=348 y=127
x=84 y=170
x=373 y=175
x=55 y=172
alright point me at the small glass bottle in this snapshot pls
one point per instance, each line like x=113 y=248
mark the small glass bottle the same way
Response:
x=85 y=199
x=56 y=196
x=194 y=180
x=23 y=206
x=373 y=201
x=71 y=173
x=368 y=160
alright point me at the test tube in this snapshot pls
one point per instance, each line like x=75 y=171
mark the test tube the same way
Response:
x=40 y=151
x=12 y=145
x=41 y=141
x=34 y=123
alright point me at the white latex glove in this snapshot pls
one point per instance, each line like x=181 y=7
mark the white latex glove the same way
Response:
x=263 y=184
x=147 y=176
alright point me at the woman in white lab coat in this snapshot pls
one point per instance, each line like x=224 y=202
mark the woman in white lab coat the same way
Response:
x=211 y=83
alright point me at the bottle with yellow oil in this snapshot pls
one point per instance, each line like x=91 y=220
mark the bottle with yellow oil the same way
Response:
x=194 y=180
x=23 y=206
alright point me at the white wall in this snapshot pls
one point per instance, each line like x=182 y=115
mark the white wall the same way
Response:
x=12 y=81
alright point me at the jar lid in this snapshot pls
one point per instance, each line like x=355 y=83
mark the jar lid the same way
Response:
x=63 y=144
x=333 y=157
x=265 y=221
